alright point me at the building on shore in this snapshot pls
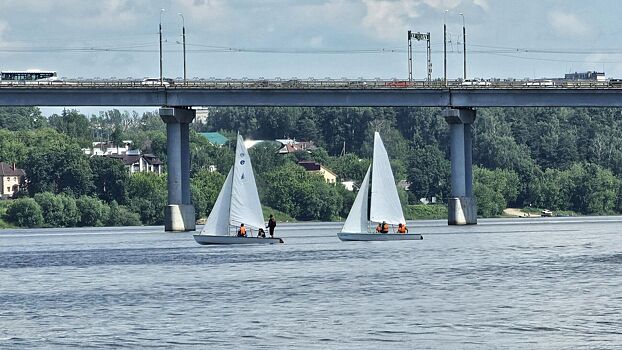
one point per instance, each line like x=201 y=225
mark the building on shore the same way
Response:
x=10 y=178
x=317 y=168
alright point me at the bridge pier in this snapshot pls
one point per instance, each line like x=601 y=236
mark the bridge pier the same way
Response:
x=179 y=213
x=462 y=205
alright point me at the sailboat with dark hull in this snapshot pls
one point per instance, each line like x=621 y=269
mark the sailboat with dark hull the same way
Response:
x=380 y=204
x=237 y=203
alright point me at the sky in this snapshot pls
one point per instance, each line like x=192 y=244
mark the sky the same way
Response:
x=310 y=38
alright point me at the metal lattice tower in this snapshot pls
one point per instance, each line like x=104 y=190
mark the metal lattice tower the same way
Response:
x=418 y=36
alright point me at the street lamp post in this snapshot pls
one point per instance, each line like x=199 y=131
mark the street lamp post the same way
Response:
x=183 y=33
x=161 y=76
x=445 y=47
x=464 y=45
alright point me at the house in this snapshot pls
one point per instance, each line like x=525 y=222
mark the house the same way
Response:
x=104 y=148
x=10 y=177
x=317 y=168
x=215 y=138
x=136 y=162
x=291 y=146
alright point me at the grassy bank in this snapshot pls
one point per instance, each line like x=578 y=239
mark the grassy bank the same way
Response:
x=425 y=212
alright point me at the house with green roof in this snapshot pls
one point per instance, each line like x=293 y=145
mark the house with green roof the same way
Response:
x=215 y=138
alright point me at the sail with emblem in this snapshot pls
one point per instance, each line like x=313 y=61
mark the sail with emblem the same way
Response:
x=245 y=205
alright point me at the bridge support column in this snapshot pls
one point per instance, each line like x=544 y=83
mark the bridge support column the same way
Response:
x=179 y=213
x=462 y=204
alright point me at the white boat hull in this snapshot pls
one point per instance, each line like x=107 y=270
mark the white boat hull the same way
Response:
x=208 y=239
x=379 y=236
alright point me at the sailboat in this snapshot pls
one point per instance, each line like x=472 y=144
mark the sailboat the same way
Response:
x=383 y=205
x=237 y=203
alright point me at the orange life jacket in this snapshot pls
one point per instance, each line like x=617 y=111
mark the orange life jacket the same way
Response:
x=385 y=228
x=402 y=229
x=243 y=231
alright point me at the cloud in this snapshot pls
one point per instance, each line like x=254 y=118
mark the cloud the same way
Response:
x=567 y=24
x=387 y=18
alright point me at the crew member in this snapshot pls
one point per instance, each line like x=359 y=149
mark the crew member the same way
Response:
x=242 y=231
x=401 y=228
x=271 y=225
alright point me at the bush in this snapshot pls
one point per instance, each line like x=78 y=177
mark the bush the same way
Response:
x=425 y=212
x=119 y=215
x=93 y=212
x=52 y=208
x=25 y=212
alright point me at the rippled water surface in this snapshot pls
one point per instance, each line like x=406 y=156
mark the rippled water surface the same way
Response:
x=502 y=284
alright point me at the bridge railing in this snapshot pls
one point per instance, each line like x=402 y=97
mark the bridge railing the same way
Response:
x=312 y=83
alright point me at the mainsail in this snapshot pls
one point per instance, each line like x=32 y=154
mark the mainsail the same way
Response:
x=217 y=223
x=245 y=205
x=357 y=218
x=385 y=202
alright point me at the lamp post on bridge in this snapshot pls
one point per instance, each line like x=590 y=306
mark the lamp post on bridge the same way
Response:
x=463 y=45
x=183 y=34
x=445 y=47
x=161 y=76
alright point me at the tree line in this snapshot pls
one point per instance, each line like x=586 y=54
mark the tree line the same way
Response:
x=558 y=158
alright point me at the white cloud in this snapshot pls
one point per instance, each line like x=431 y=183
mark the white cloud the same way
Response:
x=567 y=24
x=482 y=3
x=389 y=19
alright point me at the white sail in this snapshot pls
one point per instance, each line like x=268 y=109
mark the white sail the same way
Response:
x=385 y=202
x=357 y=218
x=245 y=205
x=217 y=223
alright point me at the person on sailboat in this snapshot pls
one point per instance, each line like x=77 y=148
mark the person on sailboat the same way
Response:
x=383 y=227
x=242 y=231
x=261 y=233
x=271 y=225
x=401 y=228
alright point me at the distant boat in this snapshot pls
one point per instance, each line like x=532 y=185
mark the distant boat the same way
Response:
x=237 y=203
x=382 y=205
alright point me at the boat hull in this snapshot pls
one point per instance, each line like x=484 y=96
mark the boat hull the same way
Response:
x=207 y=239
x=379 y=236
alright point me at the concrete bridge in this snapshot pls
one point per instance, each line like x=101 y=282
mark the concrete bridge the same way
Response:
x=458 y=100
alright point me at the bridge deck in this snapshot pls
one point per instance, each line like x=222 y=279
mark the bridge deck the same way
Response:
x=312 y=93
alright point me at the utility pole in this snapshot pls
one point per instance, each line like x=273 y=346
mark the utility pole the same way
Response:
x=445 y=47
x=464 y=45
x=183 y=33
x=161 y=76
x=410 y=57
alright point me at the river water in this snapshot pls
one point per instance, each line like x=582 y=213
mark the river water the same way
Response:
x=544 y=283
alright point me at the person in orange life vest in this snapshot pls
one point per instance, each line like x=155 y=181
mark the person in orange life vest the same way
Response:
x=242 y=231
x=402 y=228
x=385 y=227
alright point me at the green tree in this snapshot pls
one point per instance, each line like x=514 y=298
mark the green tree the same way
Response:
x=494 y=189
x=93 y=212
x=52 y=208
x=119 y=215
x=148 y=197
x=73 y=124
x=302 y=195
x=71 y=214
x=21 y=118
x=58 y=169
x=110 y=178
x=205 y=187
x=25 y=212
x=428 y=173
